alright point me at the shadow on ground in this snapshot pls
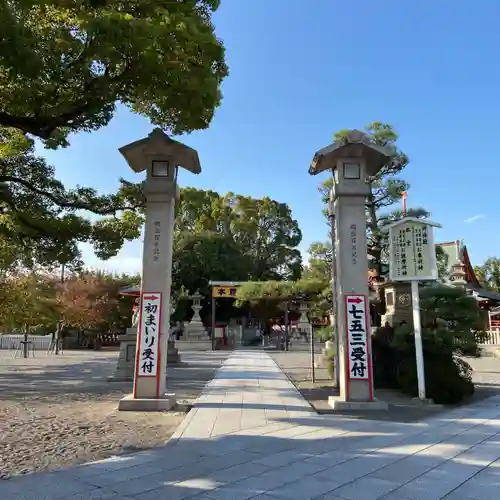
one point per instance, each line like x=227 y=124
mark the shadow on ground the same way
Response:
x=296 y=364
x=307 y=458
x=73 y=374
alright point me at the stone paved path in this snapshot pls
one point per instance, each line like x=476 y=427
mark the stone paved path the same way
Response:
x=252 y=436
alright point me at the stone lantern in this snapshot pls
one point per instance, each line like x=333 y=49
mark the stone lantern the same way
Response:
x=352 y=160
x=196 y=331
x=304 y=325
x=160 y=157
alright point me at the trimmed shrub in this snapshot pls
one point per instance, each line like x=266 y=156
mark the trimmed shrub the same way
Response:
x=324 y=333
x=385 y=360
x=451 y=328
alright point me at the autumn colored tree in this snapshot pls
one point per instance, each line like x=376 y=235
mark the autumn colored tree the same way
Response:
x=91 y=301
x=27 y=302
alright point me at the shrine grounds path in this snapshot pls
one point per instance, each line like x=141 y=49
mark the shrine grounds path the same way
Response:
x=57 y=411
x=251 y=435
x=297 y=365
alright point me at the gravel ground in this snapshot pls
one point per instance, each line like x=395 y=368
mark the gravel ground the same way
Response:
x=57 y=411
x=296 y=363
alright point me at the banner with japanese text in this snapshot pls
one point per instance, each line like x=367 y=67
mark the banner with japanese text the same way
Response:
x=357 y=336
x=149 y=334
x=224 y=291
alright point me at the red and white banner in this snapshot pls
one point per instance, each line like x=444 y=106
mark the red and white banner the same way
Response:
x=148 y=342
x=357 y=329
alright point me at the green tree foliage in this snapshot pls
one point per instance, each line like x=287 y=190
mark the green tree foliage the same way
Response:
x=320 y=261
x=87 y=300
x=452 y=326
x=263 y=230
x=204 y=256
x=489 y=274
x=442 y=262
x=27 y=302
x=9 y=257
x=42 y=220
x=255 y=291
x=268 y=297
x=319 y=267
x=319 y=270
x=386 y=191
x=452 y=318
x=65 y=63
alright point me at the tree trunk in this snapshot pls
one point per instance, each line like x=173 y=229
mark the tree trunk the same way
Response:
x=25 y=343
x=376 y=252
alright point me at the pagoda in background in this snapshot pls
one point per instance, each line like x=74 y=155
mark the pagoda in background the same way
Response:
x=461 y=273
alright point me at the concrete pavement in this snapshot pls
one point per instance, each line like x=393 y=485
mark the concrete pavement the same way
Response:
x=251 y=435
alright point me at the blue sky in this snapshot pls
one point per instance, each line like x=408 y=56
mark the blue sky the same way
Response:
x=302 y=69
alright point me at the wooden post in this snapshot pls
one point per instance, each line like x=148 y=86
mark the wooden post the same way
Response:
x=419 y=354
x=286 y=326
x=58 y=336
x=25 y=343
x=313 y=368
x=213 y=323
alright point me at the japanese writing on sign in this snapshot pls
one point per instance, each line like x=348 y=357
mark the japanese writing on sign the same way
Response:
x=354 y=244
x=149 y=337
x=412 y=252
x=156 y=240
x=357 y=337
x=224 y=291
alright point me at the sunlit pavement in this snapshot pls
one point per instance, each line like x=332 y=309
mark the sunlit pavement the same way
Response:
x=252 y=435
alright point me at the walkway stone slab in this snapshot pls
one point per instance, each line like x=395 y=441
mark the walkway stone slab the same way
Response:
x=251 y=435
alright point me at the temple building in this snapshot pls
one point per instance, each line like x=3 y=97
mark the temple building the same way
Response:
x=461 y=269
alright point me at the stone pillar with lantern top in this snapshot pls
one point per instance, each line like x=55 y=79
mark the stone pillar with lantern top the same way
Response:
x=160 y=157
x=352 y=160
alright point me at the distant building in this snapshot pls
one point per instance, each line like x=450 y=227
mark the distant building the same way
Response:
x=460 y=268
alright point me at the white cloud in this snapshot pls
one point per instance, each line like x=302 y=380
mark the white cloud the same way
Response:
x=128 y=265
x=474 y=218
x=128 y=260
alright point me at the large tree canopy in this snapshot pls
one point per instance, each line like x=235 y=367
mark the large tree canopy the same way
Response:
x=263 y=229
x=42 y=220
x=65 y=63
x=201 y=257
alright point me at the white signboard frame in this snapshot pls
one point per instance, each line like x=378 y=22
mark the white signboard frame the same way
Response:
x=358 y=331
x=148 y=342
x=412 y=265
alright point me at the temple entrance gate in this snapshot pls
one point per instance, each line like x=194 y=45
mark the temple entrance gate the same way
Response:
x=232 y=333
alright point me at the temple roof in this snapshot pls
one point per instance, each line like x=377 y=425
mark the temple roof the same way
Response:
x=458 y=254
x=134 y=290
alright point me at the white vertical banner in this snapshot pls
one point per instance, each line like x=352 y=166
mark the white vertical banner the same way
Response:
x=357 y=337
x=149 y=335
